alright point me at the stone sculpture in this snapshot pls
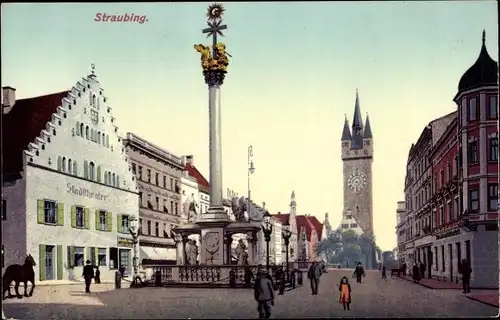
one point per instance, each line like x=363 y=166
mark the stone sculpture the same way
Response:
x=241 y=252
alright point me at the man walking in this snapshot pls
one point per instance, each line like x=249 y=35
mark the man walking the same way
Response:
x=422 y=270
x=466 y=270
x=313 y=274
x=264 y=294
x=359 y=272
x=88 y=274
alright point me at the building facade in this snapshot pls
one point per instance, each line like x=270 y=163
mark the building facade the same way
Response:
x=401 y=228
x=418 y=192
x=357 y=158
x=158 y=173
x=466 y=179
x=67 y=186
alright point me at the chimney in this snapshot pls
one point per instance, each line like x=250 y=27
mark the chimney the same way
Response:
x=8 y=99
x=187 y=160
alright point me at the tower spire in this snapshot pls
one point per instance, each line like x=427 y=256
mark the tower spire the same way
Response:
x=367 y=134
x=346 y=132
x=357 y=122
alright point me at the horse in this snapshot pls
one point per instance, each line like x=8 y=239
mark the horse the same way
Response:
x=20 y=273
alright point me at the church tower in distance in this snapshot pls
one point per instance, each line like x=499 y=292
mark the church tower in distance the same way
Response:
x=357 y=158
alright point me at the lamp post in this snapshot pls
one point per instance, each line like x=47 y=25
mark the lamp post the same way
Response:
x=133 y=229
x=286 y=234
x=251 y=170
x=268 y=230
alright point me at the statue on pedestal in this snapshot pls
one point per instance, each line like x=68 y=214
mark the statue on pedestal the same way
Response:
x=241 y=252
x=239 y=206
x=192 y=252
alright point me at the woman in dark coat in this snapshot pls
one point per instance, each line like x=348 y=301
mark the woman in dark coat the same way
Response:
x=416 y=273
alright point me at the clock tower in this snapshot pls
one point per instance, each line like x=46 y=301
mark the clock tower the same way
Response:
x=357 y=158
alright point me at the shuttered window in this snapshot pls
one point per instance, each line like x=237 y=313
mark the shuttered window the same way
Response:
x=50 y=212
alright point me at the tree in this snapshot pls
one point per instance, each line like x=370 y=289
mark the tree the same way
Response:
x=329 y=247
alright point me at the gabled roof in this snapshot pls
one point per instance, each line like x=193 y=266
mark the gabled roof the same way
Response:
x=318 y=226
x=195 y=173
x=303 y=222
x=25 y=121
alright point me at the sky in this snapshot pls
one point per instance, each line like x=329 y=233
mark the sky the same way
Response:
x=293 y=75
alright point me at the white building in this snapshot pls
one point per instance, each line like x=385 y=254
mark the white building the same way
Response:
x=401 y=228
x=348 y=222
x=67 y=185
x=203 y=184
x=189 y=198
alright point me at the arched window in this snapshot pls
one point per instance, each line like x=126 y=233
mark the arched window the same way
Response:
x=81 y=129
x=91 y=171
x=99 y=137
x=75 y=169
x=107 y=140
x=93 y=100
x=113 y=180
x=91 y=134
x=109 y=177
x=59 y=163
x=77 y=128
x=105 y=177
x=87 y=132
x=63 y=164
x=70 y=166
x=117 y=181
x=103 y=139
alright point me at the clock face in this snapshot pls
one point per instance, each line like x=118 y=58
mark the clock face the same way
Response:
x=356 y=181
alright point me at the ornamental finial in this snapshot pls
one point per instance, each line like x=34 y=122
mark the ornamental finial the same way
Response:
x=92 y=66
x=484 y=36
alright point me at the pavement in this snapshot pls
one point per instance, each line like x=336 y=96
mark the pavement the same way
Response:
x=374 y=297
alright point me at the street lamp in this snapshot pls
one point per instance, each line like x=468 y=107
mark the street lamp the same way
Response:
x=134 y=231
x=251 y=170
x=286 y=234
x=268 y=230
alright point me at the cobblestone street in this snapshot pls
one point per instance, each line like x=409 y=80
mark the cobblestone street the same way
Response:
x=373 y=298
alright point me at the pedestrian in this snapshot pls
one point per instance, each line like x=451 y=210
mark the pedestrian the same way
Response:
x=97 y=278
x=384 y=275
x=466 y=270
x=280 y=278
x=345 y=293
x=313 y=274
x=416 y=273
x=264 y=294
x=403 y=268
x=422 y=270
x=88 y=274
x=359 y=272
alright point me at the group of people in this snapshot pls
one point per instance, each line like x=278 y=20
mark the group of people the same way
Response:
x=88 y=274
x=464 y=268
x=264 y=288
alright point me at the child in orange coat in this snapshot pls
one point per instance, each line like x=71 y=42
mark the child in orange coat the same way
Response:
x=345 y=293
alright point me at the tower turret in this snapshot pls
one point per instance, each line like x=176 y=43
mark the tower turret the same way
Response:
x=357 y=125
x=346 y=132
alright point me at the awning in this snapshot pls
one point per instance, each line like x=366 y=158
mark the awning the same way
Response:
x=157 y=253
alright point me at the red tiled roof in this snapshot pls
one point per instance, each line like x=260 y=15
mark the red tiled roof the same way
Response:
x=303 y=222
x=23 y=124
x=283 y=217
x=317 y=225
x=193 y=172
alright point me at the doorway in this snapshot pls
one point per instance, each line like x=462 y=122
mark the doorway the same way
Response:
x=459 y=255
x=49 y=262
x=124 y=260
